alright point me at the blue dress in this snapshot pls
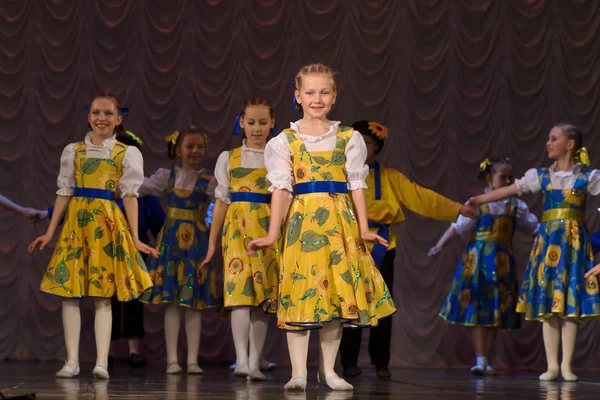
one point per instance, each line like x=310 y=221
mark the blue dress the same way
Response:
x=182 y=244
x=554 y=283
x=485 y=289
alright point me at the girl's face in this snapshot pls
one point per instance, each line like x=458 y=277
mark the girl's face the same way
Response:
x=192 y=150
x=501 y=177
x=316 y=95
x=372 y=147
x=104 y=117
x=257 y=124
x=558 y=144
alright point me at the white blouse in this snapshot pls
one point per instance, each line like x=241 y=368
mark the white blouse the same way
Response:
x=278 y=157
x=157 y=184
x=530 y=183
x=133 y=166
x=251 y=158
x=525 y=221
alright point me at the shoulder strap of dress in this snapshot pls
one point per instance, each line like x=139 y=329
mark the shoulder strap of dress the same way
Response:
x=235 y=158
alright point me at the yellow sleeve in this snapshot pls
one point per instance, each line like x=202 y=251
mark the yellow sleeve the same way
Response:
x=423 y=201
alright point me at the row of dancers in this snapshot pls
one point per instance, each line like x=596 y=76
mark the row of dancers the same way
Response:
x=304 y=219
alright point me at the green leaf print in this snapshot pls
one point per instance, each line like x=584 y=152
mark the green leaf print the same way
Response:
x=230 y=287
x=321 y=216
x=313 y=271
x=111 y=162
x=97 y=284
x=240 y=172
x=261 y=182
x=62 y=273
x=98 y=233
x=81 y=272
x=331 y=232
x=94 y=270
x=264 y=223
x=313 y=241
x=320 y=160
x=120 y=253
x=59 y=250
x=236 y=234
x=286 y=302
x=303 y=148
x=346 y=277
x=254 y=206
x=140 y=260
x=327 y=176
x=77 y=252
x=171 y=269
x=110 y=249
x=120 y=237
x=335 y=258
x=294 y=276
x=309 y=294
x=295 y=225
x=90 y=165
x=249 y=288
x=347 y=217
x=338 y=158
x=340 y=143
x=291 y=137
x=84 y=217
x=323 y=311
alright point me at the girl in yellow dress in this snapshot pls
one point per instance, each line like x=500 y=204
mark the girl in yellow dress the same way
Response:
x=178 y=280
x=327 y=275
x=242 y=208
x=96 y=254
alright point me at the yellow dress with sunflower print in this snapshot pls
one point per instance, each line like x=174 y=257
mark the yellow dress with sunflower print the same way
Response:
x=326 y=271
x=182 y=243
x=95 y=255
x=249 y=281
x=554 y=283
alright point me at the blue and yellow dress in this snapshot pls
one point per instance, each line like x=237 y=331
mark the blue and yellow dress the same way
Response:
x=182 y=244
x=485 y=288
x=248 y=281
x=327 y=272
x=95 y=254
x=554 y=283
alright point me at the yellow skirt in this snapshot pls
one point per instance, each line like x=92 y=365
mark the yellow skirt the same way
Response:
x=327 y=273
x=249 y=281
x=95 y=255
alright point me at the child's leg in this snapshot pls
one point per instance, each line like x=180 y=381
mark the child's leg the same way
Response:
x=258 y=333
x=102 y=328
x=569 y=335
x=172 y=323
x=551 y=330
x=490 y=340
x=193 y=327
x=479 y=335
x=330 y=337
x=72 y=328
x=240 y=328
x=298 y=349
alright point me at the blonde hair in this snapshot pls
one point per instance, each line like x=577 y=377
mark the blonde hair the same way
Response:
x=315 y=69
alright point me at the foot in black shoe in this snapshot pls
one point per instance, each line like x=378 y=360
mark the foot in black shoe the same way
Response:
x=383 y=372
x=349 y=372
x=137 y=360
x=111 y=361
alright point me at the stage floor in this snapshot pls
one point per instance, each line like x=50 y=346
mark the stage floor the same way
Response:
x=217 y=383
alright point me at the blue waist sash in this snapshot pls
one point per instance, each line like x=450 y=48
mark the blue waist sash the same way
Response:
x=378 y=252
x=322 y=187
x=250 y=197
x=94 y=193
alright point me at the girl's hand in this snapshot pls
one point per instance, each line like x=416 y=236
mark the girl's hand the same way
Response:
x=144 y=248
x=372 y=237
x=41 y=241
x=469 y=210
x=593 y=271
x=209 y=255
x=260 y=243
x=35 y=215
x=434 y=250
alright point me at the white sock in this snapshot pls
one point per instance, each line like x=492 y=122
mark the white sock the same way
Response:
x=481 y=361
x=102 y=329
x=240 y=328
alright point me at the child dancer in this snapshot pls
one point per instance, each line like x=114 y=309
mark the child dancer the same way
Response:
x=556 y=289
x=327 y=274
x=128 y=317
x=95 y=255
x=485 y=292
x=388 y=191
x=178 y=279
x=243 y=205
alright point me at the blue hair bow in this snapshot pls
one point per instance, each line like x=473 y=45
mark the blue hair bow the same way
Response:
x=237 y=129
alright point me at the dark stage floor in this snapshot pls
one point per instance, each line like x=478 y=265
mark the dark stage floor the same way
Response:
x=217 y=383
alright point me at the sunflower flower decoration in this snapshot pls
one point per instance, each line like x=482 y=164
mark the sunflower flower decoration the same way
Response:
x=381 y=131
